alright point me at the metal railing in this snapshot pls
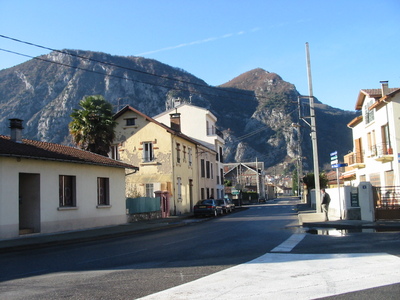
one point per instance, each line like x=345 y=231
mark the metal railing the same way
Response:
x=387 y=197
x=354 y=158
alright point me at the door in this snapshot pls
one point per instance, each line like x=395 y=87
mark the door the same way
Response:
x=29 y=203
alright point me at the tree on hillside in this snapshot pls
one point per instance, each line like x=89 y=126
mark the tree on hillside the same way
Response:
x=92 y=126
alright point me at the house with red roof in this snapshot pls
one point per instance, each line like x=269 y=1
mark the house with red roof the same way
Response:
x=46 y=188
x=376 y=153
x=170 y=162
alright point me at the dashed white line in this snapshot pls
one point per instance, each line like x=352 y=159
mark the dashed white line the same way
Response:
x=290 y=243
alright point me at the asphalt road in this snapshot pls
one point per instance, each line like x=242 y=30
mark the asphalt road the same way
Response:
x=144 y=264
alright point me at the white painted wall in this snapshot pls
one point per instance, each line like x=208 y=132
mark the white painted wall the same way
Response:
x=53 y=219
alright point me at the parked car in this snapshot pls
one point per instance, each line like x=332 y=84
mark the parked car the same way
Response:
x=207 y=207
x=226 y=207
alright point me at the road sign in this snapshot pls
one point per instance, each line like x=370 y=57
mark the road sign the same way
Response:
x=235 y=192
x=334 y=158
x=338 y=165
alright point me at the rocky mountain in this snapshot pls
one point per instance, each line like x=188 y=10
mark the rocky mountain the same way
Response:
x=255 y=110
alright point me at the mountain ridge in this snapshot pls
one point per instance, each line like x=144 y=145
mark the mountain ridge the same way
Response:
x=255 y=110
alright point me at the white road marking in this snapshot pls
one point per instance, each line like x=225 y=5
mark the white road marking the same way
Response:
x=290 y=243
x=291 y=276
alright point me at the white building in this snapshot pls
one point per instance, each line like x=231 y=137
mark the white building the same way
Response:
x=376 y=137
x=200 y=124
x=46 y=188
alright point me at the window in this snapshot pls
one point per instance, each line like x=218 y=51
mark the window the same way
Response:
x=369 y=114
x=148 y=153
x=150 y=190
x=203 y=170
x=130 y=121
x=212 y=171
x=359 y=155
x=202 y=193
x=190 y=156
x=386 y=146
x=179 y=183
x=178 y=152
x=221 y=158
x=184 y=153
x=67 y=191
x=103 y=191
x=208 y=169
x=371 y=143
x=114 y=152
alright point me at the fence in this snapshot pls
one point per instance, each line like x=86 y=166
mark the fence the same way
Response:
x=142 y=205
x=387 y=202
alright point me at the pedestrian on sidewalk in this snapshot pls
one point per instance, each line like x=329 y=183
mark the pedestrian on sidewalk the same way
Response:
x=325 y=200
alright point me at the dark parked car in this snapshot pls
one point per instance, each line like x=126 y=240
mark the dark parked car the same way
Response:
x=226 y=207
x=207 y=207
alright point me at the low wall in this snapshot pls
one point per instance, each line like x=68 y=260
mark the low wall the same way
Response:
x=341 y=203
x=144 y=216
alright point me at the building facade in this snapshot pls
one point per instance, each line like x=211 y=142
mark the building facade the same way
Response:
x=376 y=137
x=168 y=160
x=46 y=188
x=200 y=124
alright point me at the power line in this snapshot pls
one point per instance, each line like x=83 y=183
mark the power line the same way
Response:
x=116 y=66
x=129 y=79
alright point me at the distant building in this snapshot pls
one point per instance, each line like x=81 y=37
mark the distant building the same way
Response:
x=246 y=177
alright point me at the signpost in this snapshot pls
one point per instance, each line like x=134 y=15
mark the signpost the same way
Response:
x=335 y=165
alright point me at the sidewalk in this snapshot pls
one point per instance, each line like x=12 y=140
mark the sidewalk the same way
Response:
x=308 y=217
x=40 y=240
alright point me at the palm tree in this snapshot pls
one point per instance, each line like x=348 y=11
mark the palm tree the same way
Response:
x=92 y=127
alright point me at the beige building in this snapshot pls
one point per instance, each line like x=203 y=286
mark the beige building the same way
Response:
x=200 y=124
x=168 y=160
x=47 y=188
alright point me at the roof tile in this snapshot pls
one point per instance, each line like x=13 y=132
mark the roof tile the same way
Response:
x=49 y=151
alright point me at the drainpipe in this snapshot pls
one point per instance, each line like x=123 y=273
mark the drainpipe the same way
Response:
x=173 y=170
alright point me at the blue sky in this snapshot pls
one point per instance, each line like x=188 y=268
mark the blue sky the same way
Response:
x=354 y=44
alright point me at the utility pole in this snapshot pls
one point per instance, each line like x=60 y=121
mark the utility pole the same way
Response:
x=313 y=134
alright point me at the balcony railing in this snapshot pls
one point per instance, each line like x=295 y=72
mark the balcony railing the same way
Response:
x=354 y=158
x=215 y=131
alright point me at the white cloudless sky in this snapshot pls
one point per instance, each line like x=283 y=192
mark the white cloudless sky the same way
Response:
x=353 y=44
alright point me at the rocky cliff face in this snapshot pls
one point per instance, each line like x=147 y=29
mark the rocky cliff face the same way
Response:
x=255 y=110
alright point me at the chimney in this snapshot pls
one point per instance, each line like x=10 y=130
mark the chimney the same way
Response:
x=385 y=88
x=176 y=121
x=16 y=130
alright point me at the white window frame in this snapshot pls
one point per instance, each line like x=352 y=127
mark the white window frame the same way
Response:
x=148 y=152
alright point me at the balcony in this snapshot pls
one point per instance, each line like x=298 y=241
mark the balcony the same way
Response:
x=354 y=160
x=214 y=131
x=384 y=153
